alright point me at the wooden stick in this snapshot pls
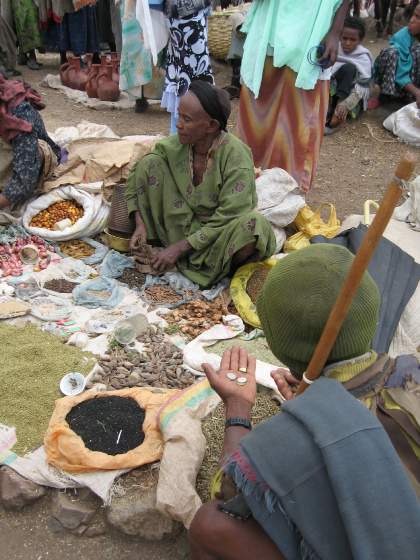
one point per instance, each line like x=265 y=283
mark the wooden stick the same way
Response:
x=358 y=268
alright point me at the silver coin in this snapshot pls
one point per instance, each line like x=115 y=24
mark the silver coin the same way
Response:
x=231 y=376
x=242 y=381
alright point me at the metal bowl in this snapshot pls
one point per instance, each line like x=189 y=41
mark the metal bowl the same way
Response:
x=121 y=244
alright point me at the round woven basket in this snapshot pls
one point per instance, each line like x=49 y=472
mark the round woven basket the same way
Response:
x=119 y=219
x=220 y=32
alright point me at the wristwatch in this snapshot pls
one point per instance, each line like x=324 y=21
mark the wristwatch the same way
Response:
x=243 y=422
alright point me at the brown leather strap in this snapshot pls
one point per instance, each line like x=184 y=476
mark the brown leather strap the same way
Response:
x=384 y=364
x=400 y=443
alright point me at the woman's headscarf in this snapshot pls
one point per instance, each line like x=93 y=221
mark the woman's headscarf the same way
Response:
x=215 y=101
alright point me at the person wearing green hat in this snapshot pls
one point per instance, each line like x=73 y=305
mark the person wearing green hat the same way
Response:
x=339 y=468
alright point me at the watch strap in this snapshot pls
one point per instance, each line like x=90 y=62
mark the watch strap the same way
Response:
x=237 y=421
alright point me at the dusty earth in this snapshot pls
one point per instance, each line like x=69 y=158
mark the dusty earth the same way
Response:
x=355 y=165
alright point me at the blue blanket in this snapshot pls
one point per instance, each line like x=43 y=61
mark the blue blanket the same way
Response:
x=324 y=481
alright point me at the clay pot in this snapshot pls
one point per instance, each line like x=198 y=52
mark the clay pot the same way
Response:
x=108 y=90
x=76 y=77
x=88 y=60
x=115 y=70
x=92 y=81
x=63 y=73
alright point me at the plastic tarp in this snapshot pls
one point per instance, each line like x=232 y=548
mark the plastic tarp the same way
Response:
x=395 y=272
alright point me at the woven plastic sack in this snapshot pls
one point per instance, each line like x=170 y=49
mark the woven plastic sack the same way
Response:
x=101 y=292
x=92 y=222
x=243 y=303
x=65 y=449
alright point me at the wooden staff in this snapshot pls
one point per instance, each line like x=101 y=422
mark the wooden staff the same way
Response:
x=358 y=268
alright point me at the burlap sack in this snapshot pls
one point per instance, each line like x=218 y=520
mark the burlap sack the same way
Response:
x=66 y=450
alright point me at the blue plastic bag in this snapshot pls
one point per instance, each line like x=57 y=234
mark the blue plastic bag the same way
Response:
x=100 y=292
x=114 y=264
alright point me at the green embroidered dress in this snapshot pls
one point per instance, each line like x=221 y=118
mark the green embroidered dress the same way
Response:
x=217 y=217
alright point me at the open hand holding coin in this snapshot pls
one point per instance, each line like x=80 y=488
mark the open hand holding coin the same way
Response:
x=235 y=379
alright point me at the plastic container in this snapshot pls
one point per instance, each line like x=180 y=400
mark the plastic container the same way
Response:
x=127 y=330
x=72 y=384
x=29 y=254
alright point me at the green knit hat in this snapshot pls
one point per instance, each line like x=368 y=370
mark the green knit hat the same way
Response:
x=296 y=301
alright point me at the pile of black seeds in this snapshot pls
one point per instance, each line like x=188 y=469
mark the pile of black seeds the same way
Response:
x=103 y=421
x=133 y=278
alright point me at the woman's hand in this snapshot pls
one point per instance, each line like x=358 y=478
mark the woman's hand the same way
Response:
x=329 y=56
x=167 y=258
x=139 y=236
x=239 y=398
x=286 y=382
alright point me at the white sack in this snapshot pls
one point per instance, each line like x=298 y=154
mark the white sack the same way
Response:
x=278 y=200
x=92 y=222
x=409 y=211
x=405 y=124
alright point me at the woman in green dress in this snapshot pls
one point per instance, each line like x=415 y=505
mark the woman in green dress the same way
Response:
x=195 y=194
x=25 y=15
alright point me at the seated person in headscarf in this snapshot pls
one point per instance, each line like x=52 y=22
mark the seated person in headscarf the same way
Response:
x=195 y=194
x=322 y=479
x=397 y=68
x=28 y=153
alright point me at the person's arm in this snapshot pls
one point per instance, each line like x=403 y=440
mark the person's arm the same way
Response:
x=414 y=91
x=332 y=38
x=238 y=399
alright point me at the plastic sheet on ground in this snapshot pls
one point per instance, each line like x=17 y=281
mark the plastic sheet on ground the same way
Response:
x=64 y=135
x=114 y=264
x=195 y=353
x=407 y=335
x=34 y=467
x=101 y=292
x=53 y=81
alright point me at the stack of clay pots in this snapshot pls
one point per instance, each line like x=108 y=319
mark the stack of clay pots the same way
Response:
x=98 y=80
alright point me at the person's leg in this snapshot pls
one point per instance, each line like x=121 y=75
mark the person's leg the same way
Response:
x=245 y=255
x=214 y=535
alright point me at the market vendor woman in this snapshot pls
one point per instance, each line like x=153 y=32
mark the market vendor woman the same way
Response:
x=28 y=154
x=195 y=194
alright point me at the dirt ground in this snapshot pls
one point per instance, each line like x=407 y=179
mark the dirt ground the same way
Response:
x=356 y=164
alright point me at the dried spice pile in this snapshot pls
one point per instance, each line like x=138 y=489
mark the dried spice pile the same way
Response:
x=112 y=425
x=161 y=295
x=133 y=278
x=197 y=316
x=256 y=282
x=60 y=285
x=76 y=248
x=65 y=209
x=33 y=362
x=214 y=429
x=160 y=365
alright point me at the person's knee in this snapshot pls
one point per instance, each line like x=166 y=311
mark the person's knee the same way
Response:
x=207 y=525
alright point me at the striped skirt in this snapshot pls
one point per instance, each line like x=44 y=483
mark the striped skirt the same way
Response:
x=284 y=127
